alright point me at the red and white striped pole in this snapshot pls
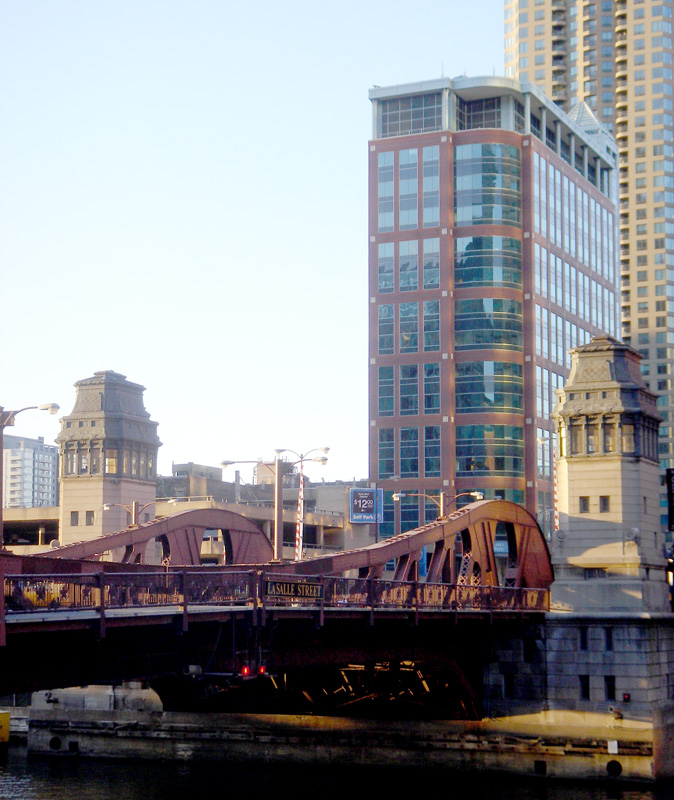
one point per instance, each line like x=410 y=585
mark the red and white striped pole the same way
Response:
x=554 y=486
x=299 y=525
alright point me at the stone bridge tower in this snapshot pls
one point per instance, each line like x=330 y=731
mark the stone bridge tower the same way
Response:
x=108 y=448
x=608 y=553
x=610 y=636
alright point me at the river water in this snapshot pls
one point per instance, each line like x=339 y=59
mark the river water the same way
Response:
x=40 y=778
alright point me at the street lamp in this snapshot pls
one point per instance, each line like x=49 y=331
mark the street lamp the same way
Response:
x=440 y=500
x=134 y=508
x=278 y=499
x=7 y=418
x=543 y=440
x=278 y=487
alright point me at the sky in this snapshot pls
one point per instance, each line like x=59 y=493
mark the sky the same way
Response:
x=184 y=201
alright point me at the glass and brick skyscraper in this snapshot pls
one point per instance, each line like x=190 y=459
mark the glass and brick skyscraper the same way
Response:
x=492 y=252
x=617 y=57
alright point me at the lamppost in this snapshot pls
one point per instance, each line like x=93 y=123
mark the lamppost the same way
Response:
x=134 y=508
x=278 y=487
x=7 y=418
x=440 y=500
x=299 y=525
x=542 y=441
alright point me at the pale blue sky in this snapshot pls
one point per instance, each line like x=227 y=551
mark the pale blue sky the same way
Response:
x=184 y=193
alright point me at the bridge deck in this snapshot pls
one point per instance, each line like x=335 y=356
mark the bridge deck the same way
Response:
x=31 y=602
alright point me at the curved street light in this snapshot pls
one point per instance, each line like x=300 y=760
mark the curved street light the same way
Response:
x=278 y=499
x=278 y=486
x=440 y=500
x=7 y=418
x=134 y=508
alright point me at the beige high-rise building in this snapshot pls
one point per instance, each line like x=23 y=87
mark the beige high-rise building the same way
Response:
x=616 y=56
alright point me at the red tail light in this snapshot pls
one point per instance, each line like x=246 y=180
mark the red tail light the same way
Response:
x=245 y=671
x=262 y=669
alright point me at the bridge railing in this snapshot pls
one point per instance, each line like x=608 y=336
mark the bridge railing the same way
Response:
x=368 y=593
x=50 y=592
x=26 y=593
x=222 y=588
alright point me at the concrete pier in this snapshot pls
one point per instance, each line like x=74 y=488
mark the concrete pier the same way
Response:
x=550 y=744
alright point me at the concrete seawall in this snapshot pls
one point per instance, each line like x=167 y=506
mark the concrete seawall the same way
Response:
x=527 y=748
x=128 y=721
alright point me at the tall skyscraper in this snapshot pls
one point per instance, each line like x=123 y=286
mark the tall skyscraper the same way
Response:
x=30 y=473
x=492 y=252
x=616 y=56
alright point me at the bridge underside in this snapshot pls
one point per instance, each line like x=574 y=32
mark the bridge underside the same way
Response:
x=392 y=668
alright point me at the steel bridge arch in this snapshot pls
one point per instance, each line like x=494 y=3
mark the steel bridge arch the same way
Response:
x=524 y=563
x=181 y=536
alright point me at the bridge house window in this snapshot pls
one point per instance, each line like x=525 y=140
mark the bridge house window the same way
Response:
x=584 y=686
x=111 y=461
x=609 y=688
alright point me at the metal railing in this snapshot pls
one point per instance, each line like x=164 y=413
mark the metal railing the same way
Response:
x=256 y=589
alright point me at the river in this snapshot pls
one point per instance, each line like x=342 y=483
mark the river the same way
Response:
x=24 y=778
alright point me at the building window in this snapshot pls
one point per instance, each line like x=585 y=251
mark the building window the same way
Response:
x=488 y=322
x=471 y=114
x=385 y=267
x=408 y=201
x=409 y=452
x=584 y=686
x=408 y=266
x=583 y=505
x=432 y=461
x=409 y=327
x=74 y=518
x=604 y=504
x=431 y=263
x=490 y=386
x=386 y=452
x=486 y=449
x=111 y=461
x=385 y=191
x=405 y=115
x=386 y=392
x=608 y=638
x=409 y=389
x=609 y=688
x=487 y=188
x=386 y=325
x=431 y=325
x=431 y=186
x=582 y=638
x=89 y=518
x=431 y=388
x=488 y=261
